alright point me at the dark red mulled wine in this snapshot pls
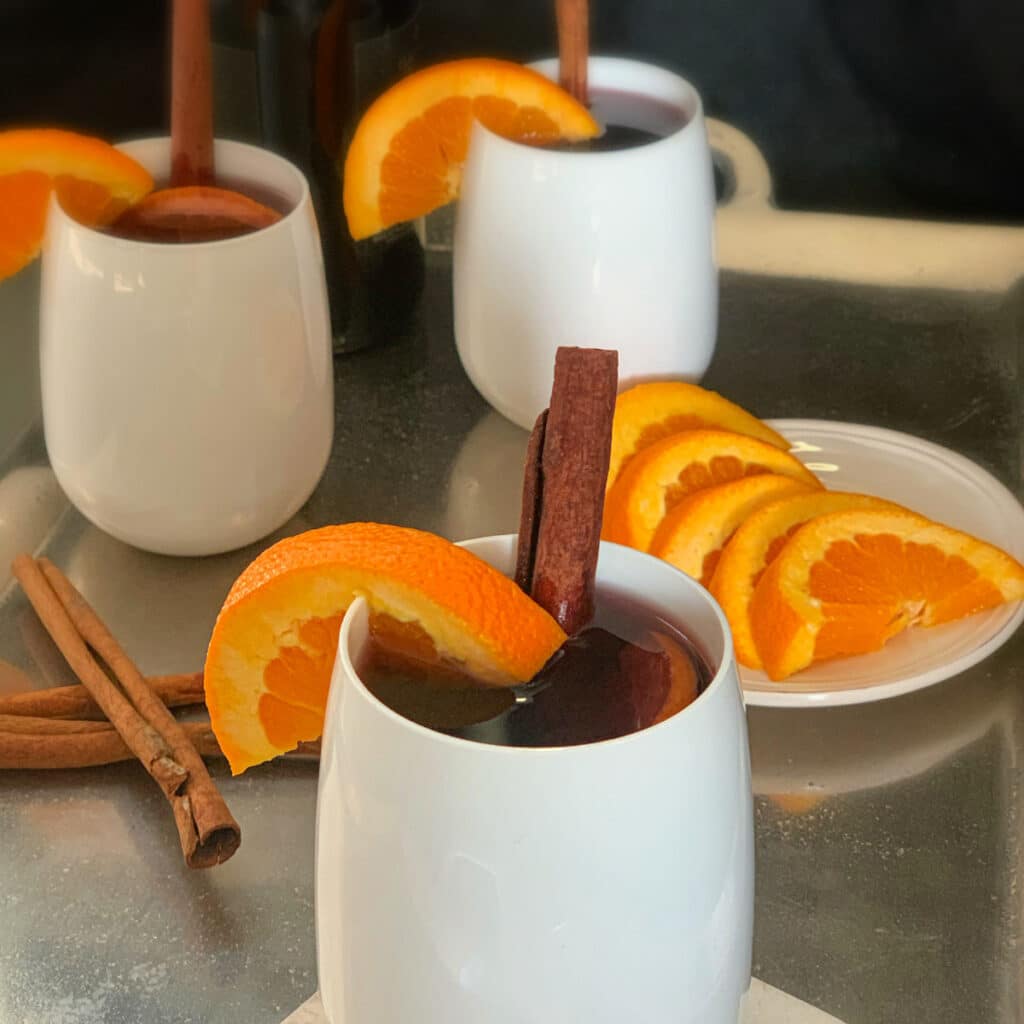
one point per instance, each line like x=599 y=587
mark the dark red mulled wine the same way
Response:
x=627 y=671
x=630 y=120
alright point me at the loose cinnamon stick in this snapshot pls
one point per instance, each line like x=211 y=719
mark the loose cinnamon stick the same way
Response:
x=573 y=466
x=58 y=702
x=573 y=21
x=191 y=94
x=33 y=743
x=206 y=827
x=140 y=737
x=206 y=830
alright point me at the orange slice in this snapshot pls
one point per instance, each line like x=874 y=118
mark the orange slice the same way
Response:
x=407 y=153
x=649 y=412
x=846 y=582
x=692 y=535
x=268 y=666
x=94 y=182
x=659 y=477
x=756 y=543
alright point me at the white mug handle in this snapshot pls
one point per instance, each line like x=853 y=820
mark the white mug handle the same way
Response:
x=748 y=181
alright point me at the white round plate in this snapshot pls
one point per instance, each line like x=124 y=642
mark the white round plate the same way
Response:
x=937 y=483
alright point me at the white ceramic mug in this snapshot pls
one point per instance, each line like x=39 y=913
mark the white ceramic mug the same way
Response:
x=606 y=249
x=188 y=389
x=465 y=883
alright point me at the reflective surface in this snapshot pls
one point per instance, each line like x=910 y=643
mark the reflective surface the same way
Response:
x=888 y=835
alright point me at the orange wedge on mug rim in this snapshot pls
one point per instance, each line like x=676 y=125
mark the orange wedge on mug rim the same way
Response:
x=648 y=413
x=94 y=182
x=663 y=474
x=756 y=543
x=269 y=662
x=408 y=150
x=846 y=582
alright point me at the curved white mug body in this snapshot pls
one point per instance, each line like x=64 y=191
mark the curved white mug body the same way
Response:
x=464 y=883
x=606 y=249
x=188 y=389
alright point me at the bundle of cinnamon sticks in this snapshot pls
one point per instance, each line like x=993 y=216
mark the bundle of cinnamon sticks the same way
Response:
x=65 y=727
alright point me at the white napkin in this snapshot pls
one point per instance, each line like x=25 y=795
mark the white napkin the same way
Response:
x=762 y=1005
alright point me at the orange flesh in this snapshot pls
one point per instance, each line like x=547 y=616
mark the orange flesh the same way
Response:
x=847 y=582
x=23 y=198
x=418 y=167
x=700 y=475
x=876 y=585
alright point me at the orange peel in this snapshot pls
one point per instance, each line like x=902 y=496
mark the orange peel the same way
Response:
x=269 y=661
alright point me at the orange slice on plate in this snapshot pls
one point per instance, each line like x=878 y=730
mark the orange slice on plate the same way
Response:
x=408 y=150
x=847 y=582
x=691 y=537
x=756 y=543
x=94 y=182
x=649 y=412
x=268 y=667
x=658 y=478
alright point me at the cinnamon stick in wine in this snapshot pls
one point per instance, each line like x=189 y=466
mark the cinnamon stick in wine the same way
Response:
x=191 y=94
x=573 y=22
x=529 y=517
x=560 y=531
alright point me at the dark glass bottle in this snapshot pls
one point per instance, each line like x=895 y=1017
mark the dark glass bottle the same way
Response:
x=295 y=76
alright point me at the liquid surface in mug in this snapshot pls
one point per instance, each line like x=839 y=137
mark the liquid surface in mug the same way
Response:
x=201 y=229
x=630 y=120
x=625 y=672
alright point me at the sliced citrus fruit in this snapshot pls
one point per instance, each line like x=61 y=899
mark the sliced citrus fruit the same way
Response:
x=663 y=474
x=756 y=543
x=692 y=535
x=94 y=181
x=846 y=582
x=407 y=153
x=649 y=412
x=268 y=666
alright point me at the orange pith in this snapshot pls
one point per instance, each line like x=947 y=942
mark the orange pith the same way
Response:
x=93 y=181
x=269 y=661
x=407 y=153
x=648 y=413
x=691 y=537
x=658 y=478
x=847 y=581
x=756 y=543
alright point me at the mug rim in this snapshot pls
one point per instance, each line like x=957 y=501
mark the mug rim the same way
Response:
x=605 y=62
x=723 y=675
x=128 y=146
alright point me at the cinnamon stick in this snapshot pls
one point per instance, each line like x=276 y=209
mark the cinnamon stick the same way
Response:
x=573 y=21
x=206 y=830
x=573 y=455
x=191 y=94
x=74 y=701
x=529 y=517
x=33 y=743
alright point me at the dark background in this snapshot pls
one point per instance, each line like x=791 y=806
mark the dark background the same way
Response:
x=879 y=106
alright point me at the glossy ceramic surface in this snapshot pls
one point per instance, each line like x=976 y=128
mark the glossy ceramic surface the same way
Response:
x=461 y=882
x=188 y=389
x=940 y=484
x=613 y=250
